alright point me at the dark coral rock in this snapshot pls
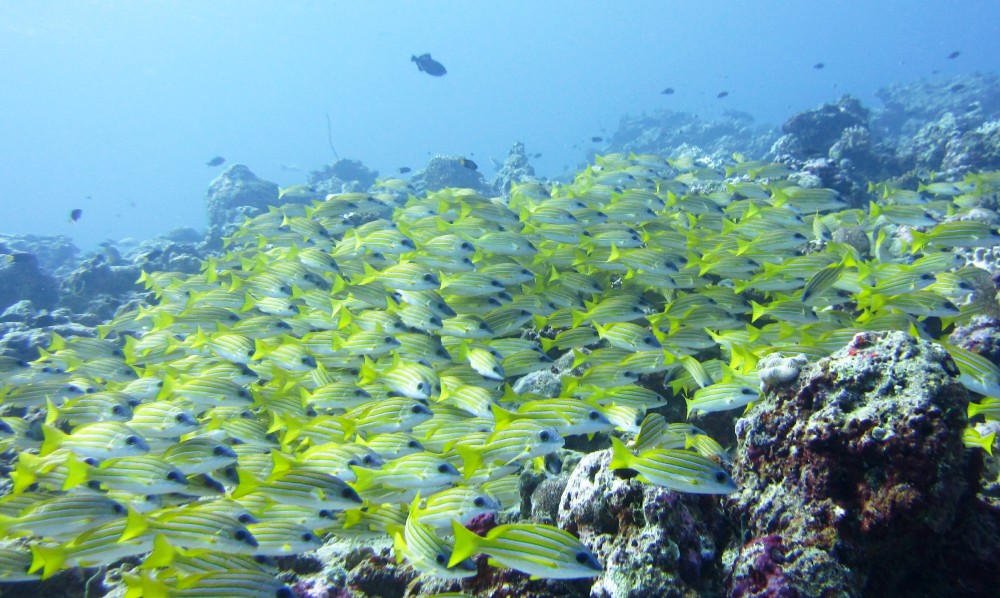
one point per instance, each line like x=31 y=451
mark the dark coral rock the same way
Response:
x=237 y=187
x=652 y=542
x=671 y=133
x=21 y=279
x=448 y=171
x=817 y=130
x=844 y=476
x=97 y=280
x=53 y=252
x=381 y=577
x=515 y=169
x=908 y=106
x=342 y=176
x=981 y=335
x=545 y=499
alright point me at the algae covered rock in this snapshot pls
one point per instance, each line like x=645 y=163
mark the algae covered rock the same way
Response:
x=237 y=187
x=815 y=131
x=652 y=541
x=342 y=176
x=449 y=171
x=515 y=169
x=22 y=279
x=845 y=475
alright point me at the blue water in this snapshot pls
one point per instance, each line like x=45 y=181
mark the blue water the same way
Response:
x=114 y=106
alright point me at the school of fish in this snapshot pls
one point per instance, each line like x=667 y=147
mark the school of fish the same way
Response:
x=345 y=368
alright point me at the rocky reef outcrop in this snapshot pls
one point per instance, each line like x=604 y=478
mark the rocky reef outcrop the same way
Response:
x=855 y=481
x=234 y=192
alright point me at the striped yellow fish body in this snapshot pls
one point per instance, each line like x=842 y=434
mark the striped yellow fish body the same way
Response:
x=542 y=551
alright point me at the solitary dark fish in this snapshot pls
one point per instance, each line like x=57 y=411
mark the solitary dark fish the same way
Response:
x=957 y=87
x=597 y=139
x=75 y=215
x=668 y=91
x=468 y=163
x=722 y=94
x=954 y=55
x=538 y=155
x=428 y=65
x=216 y=161
x=404 y=169
x=818 y=65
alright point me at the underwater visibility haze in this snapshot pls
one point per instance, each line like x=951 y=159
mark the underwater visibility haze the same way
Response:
x=535 y=299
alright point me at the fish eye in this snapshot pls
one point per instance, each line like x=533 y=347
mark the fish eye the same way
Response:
x=444 y=468
x=307 y=537
x=388 y=340
x=594 y=416
x=583 y=558
x=649 y=340
x=91 y=461
x=720 y=476
x=435 y=321
x=309 y=361
x=220 y=451
x=496 y=283
x=94 y=485
x=353 y=462
x=413 y=444
x=241 y=535
x=479 y=502
x=181 y=418
x=118 y=509
x=118 y=410
x=421 y=386
x=311 y=412
x=325 y=514
x=131 y=440
x=746 y=391
x=427 y=277
x=174 y=476
x=439 y=558
x=246 y=518
x=350 y=494
x=544 y=436
x=418 y=409
x=284 y=593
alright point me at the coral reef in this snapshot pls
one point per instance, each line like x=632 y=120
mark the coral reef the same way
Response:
x=813 y=132
x=342 y=176
x=22 y=279
x=448 y=171
x=237 y=187
x=844 y=476
x=515 y=169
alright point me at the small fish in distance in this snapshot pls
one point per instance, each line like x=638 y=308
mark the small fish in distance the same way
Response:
x=597 y=139
x=75 y=215
x=668 y=91
x=404 y=169
x=818 y=65
x=722 y=94
x=954 y=55
x=468 y=163
x=216 y=161
x=428 y=65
